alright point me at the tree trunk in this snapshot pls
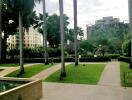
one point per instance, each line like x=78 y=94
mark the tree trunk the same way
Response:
x=130 y=21
x=21 y=43
x=63 y=73
x=75 y=32
x=3 y=49
x=0 y=30
x=45 y=34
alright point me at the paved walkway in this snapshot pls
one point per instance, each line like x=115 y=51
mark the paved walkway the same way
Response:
x=108 y=88
x=111 y=75
x=44 y=74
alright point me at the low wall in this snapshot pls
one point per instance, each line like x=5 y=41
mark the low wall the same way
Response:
x=29 y=91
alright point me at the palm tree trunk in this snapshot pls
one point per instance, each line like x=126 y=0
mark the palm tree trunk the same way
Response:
x=45 y=33
x=63 y=73
x=0 y=29
x=130 y=21
x=75 y=31
x=21 y=43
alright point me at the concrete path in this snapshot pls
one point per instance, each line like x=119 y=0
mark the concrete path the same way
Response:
x=108 y=88
x=44 y=74
x=111 y=75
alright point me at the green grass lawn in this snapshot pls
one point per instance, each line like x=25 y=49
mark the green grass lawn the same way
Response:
x=88 y=74
x=124 y=67
x=9 y=65
x=30 y=71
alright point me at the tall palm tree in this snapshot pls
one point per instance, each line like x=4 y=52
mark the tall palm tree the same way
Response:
x=130 y=21
x=45 y=33
x=63 y=72
x=23 y=7
x=0 y=27
x=75 y=31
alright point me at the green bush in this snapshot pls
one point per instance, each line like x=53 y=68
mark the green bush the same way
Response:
x=113 y=56
x=93 y=59
x=124 y=59
x=126 y=48
x=36 y=53
x=39 y=60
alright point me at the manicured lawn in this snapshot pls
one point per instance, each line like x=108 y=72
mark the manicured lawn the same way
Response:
x=88 y=74
x=124 y=67
x=30 y=71
x=9 y=65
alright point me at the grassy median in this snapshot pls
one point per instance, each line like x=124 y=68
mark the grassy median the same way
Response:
x=82 y=74
x=30 y=71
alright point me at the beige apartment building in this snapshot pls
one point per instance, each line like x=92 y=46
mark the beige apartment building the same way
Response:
x=31 y=39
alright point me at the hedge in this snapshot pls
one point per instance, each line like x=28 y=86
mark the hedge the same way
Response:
x=124 y=59
x=97 y=59
x=58 y=60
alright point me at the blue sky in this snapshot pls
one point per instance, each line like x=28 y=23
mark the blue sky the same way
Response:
x=88 y=10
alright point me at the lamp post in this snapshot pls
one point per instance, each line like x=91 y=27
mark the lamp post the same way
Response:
x=63 y=73
x=130 y=23
x=45 y=33
x=75 y=31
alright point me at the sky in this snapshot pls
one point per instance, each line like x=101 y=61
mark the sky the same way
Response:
x=88 y=10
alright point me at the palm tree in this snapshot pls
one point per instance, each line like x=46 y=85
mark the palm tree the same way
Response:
x=130 y=21
x=0 y=27
x=24 y=7
x=75 y=31
x=63 y=72
x=45 y=33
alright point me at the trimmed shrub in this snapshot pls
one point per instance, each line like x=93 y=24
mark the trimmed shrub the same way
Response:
x=124 y=59
x=113 y=56
x=97 y=59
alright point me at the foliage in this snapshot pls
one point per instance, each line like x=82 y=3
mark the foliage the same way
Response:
x=35 y=52
x=94 y=59
x=70 y=34
x=124 y=59
x=109 y=37
x=126 y=46
x=53 y=28
x=9 y=65
x=83 y=74
x=10 y=21
x=87 y=46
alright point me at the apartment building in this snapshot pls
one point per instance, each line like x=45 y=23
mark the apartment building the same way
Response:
x=107 y=20
x=31 y=39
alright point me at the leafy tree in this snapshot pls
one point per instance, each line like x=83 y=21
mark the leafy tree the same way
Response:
x=110 y=36
x=53 y=29
x=126 y=46
x=10 y=21
x=87 y=46
x=70 y=34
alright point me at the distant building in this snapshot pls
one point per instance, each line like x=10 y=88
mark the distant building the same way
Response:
x=102 y=23
x=107 y=21
x=31 y=39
